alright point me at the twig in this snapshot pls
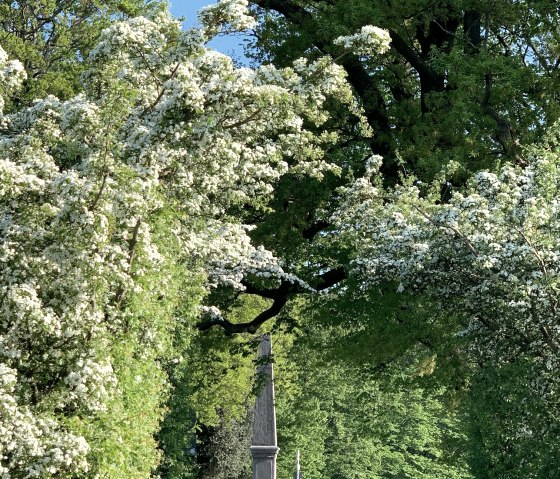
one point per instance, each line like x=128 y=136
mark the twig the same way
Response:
x=535 y=251
x=132 y=242
x=99 y=193
x=239 y=123
x=160 y=95
x=449 y=227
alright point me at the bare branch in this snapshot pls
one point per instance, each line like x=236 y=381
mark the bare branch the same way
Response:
x=282 y=294
x=445 y=226
x=251 y=117
x=99 y=193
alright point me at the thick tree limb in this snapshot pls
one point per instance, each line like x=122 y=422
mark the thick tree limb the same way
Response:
x=472 y=27
x=330 y=278
x=280 y=296
x=505 y=134
x=250 y=327
x=364 y=85
x=313 y=230
x=412 y=57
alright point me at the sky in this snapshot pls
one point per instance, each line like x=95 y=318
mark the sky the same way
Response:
x=225 y=44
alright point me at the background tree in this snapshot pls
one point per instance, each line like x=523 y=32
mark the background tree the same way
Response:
x=352 y=415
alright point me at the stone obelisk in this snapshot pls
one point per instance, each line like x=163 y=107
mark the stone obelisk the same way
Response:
x=264 y=447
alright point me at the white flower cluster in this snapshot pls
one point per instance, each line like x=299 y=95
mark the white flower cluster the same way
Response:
x=163 y=124
x=230 y=255
x=90 y=384
x=493 y=249
x=12 y=74
x=32 y=445
x=212 y=313
x=226 y=16
x=369 y=40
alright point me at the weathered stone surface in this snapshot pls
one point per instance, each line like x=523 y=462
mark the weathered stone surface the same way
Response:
x=264 y=461
x=264 y=447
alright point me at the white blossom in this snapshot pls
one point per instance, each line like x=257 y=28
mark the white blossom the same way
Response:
x=162 y=124
x=226 y=16
x=369 y=40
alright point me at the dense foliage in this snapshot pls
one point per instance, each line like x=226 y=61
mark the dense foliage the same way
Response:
x=384 y=184
x=53 y=39
x=114 y=208
x=352 y=418
x=490 y=257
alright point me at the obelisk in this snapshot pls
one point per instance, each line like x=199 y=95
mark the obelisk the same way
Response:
x=264 y=447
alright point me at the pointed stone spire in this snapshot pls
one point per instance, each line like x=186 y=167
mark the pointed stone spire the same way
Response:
x=264 y=448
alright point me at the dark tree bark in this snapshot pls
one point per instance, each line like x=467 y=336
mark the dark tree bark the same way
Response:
x=280 y=296
x=471 y=28
x=366 y=88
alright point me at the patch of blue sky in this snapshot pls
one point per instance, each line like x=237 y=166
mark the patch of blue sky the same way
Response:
x=231 y=45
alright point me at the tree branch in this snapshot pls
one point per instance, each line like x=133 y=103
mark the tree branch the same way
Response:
x=408 y=53
x=313 y=230
x=280 y=296
x=364 y=85
x=504 y=133
x=331 y=278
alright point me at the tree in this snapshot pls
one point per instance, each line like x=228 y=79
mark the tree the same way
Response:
x=53 y=39
x=462 y=88
x=173 y=173
x=490 y=256
x=454 y=67
x=113 y=207
x=351 y=417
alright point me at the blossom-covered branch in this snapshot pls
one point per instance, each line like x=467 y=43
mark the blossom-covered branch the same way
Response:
x=164 y=127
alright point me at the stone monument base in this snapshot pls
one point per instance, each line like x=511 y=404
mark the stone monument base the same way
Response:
x=264 y=461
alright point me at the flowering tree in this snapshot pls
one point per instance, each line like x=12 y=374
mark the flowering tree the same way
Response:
x=489 y=257
x=101 y=195
x=52 y=39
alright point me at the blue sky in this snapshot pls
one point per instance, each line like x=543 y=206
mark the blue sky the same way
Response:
x=188 y=9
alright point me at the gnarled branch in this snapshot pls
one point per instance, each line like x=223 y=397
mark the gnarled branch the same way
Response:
x=280 y=296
